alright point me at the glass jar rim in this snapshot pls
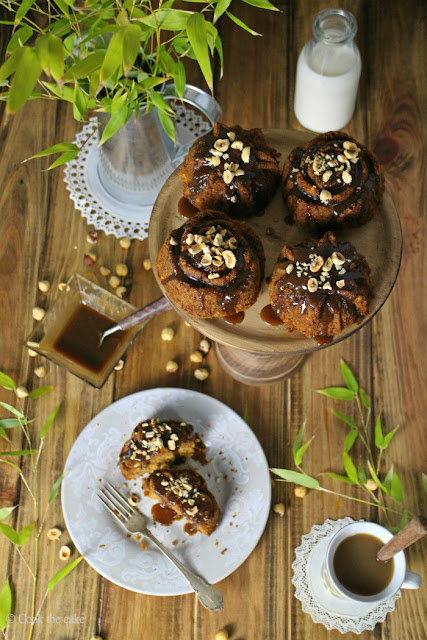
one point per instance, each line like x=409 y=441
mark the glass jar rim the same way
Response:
x=348 y=26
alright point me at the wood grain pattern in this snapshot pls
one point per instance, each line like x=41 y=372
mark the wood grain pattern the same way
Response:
x=43 y=237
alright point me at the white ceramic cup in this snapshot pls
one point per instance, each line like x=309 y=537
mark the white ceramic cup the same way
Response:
x=402 y=579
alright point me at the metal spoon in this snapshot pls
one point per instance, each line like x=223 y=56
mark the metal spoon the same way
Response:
x=146 y=313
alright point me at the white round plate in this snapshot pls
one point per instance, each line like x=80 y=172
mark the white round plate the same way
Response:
x=237 y=474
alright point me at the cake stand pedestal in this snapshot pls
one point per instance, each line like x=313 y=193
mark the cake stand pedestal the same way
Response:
x=256 y=368
x=254 y=352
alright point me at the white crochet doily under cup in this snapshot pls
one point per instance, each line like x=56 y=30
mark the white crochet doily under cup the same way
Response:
x=317 y=600
x=90 y=198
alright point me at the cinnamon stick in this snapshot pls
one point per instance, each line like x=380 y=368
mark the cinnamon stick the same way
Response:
x=413 y=531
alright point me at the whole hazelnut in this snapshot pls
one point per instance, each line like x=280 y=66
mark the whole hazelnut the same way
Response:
x=279 y=509
x=147 y=264
x=204 y=346
x=21 y=392
x=121 y=269
x=89 y=259
x=300 y=492
x=121 y=291
x=40 y=372
x=119 y=366
x=222 y=635
x=64 y=553
x=201 y=374
x=104 y=271
x=196 y=356
x=44 y=286
x=114 y=282
x=167 y=334
x=371 y=485
x=172 y=366
x=54 y=534
x=38 y=313
x=125 y=243
x=92 y=237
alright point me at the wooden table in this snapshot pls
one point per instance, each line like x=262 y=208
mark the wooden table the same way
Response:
x=44 y=238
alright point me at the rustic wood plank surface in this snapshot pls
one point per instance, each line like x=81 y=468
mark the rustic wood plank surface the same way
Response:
x=43 y=237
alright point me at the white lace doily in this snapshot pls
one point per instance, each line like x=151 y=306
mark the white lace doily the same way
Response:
x=323 y=606
x=100 y=209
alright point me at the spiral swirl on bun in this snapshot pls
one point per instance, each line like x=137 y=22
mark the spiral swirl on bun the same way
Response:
x=212 y=265
x=332 y=181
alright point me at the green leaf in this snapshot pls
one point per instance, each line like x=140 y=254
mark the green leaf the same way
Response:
x=348 y=376
x=376 y=478
x=218 y=47
x=56 y=148
x=113 y=57
x=80 y=102
x=179 y=78
x=387 y=438
x=167 y=124
x=394 y=485
x=349 y=467
x=66 y=157
x=5 y=604
x=11 y=64
x=197 y=32
x=362 y=474
x=298 y=440
x=220 y=8
x=49 y=421
x=378 y=434
x=364 y=398
x=86 y=66
x=11 y=464
x=298 y=478
x=241 y=24
x=168 y=19
x=24 y=80
x=117 y=120
x=19 y=38
x=40 y=391
x=63 y=572
x=160 y=102
x=6 y=382
x=350 y=439
x=21 y=452
x=131 y=46
x=3 y=434
x=56 y=57
x=424 y=479
x=23 y=10
x=338 y=393
x=10 y=533
x=9 y=423
x=15 y=412
x=337 y=476
x=25 y=534
x=261 y=4
x=64 y=93
x=345 y=418
x=55 y=488
x=6 y=511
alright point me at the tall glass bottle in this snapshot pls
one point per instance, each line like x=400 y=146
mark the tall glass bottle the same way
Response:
x=328 y=73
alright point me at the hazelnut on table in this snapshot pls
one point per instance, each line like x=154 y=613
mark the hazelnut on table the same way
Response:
x=172 y=366
x=167 y=334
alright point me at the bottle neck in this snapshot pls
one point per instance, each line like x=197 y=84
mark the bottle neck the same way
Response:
x=334 y=27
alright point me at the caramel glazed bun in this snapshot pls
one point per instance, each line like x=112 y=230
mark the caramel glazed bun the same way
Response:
x=212 y=265
x=332 y=181
x=232 y=170
x=319 y=288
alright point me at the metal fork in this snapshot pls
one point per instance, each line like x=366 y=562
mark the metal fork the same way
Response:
x=135 y=522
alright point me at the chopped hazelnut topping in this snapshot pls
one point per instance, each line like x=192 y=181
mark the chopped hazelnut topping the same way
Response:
x=338 y=259
x=340 y=284
x=346 y=176
x=229 y=259
x=316 y=263
x=231 y=135
x=213 y=276
x=327 y=285
x=227 y=176
x=289 y=268
x=325 y=195
x=246 y=153
x=237 y=144
x=312 y=285
x=221 y=144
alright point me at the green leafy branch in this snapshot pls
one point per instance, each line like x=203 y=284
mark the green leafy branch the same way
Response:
x=113 y=56
x=366 y=473
x=32 y=531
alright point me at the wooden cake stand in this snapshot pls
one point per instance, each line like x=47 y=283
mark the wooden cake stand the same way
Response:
x=253 y=351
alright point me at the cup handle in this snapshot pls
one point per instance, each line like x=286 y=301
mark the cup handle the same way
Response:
x=411 y=581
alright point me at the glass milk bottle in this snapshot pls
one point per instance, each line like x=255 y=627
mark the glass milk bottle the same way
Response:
x=328 y=73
